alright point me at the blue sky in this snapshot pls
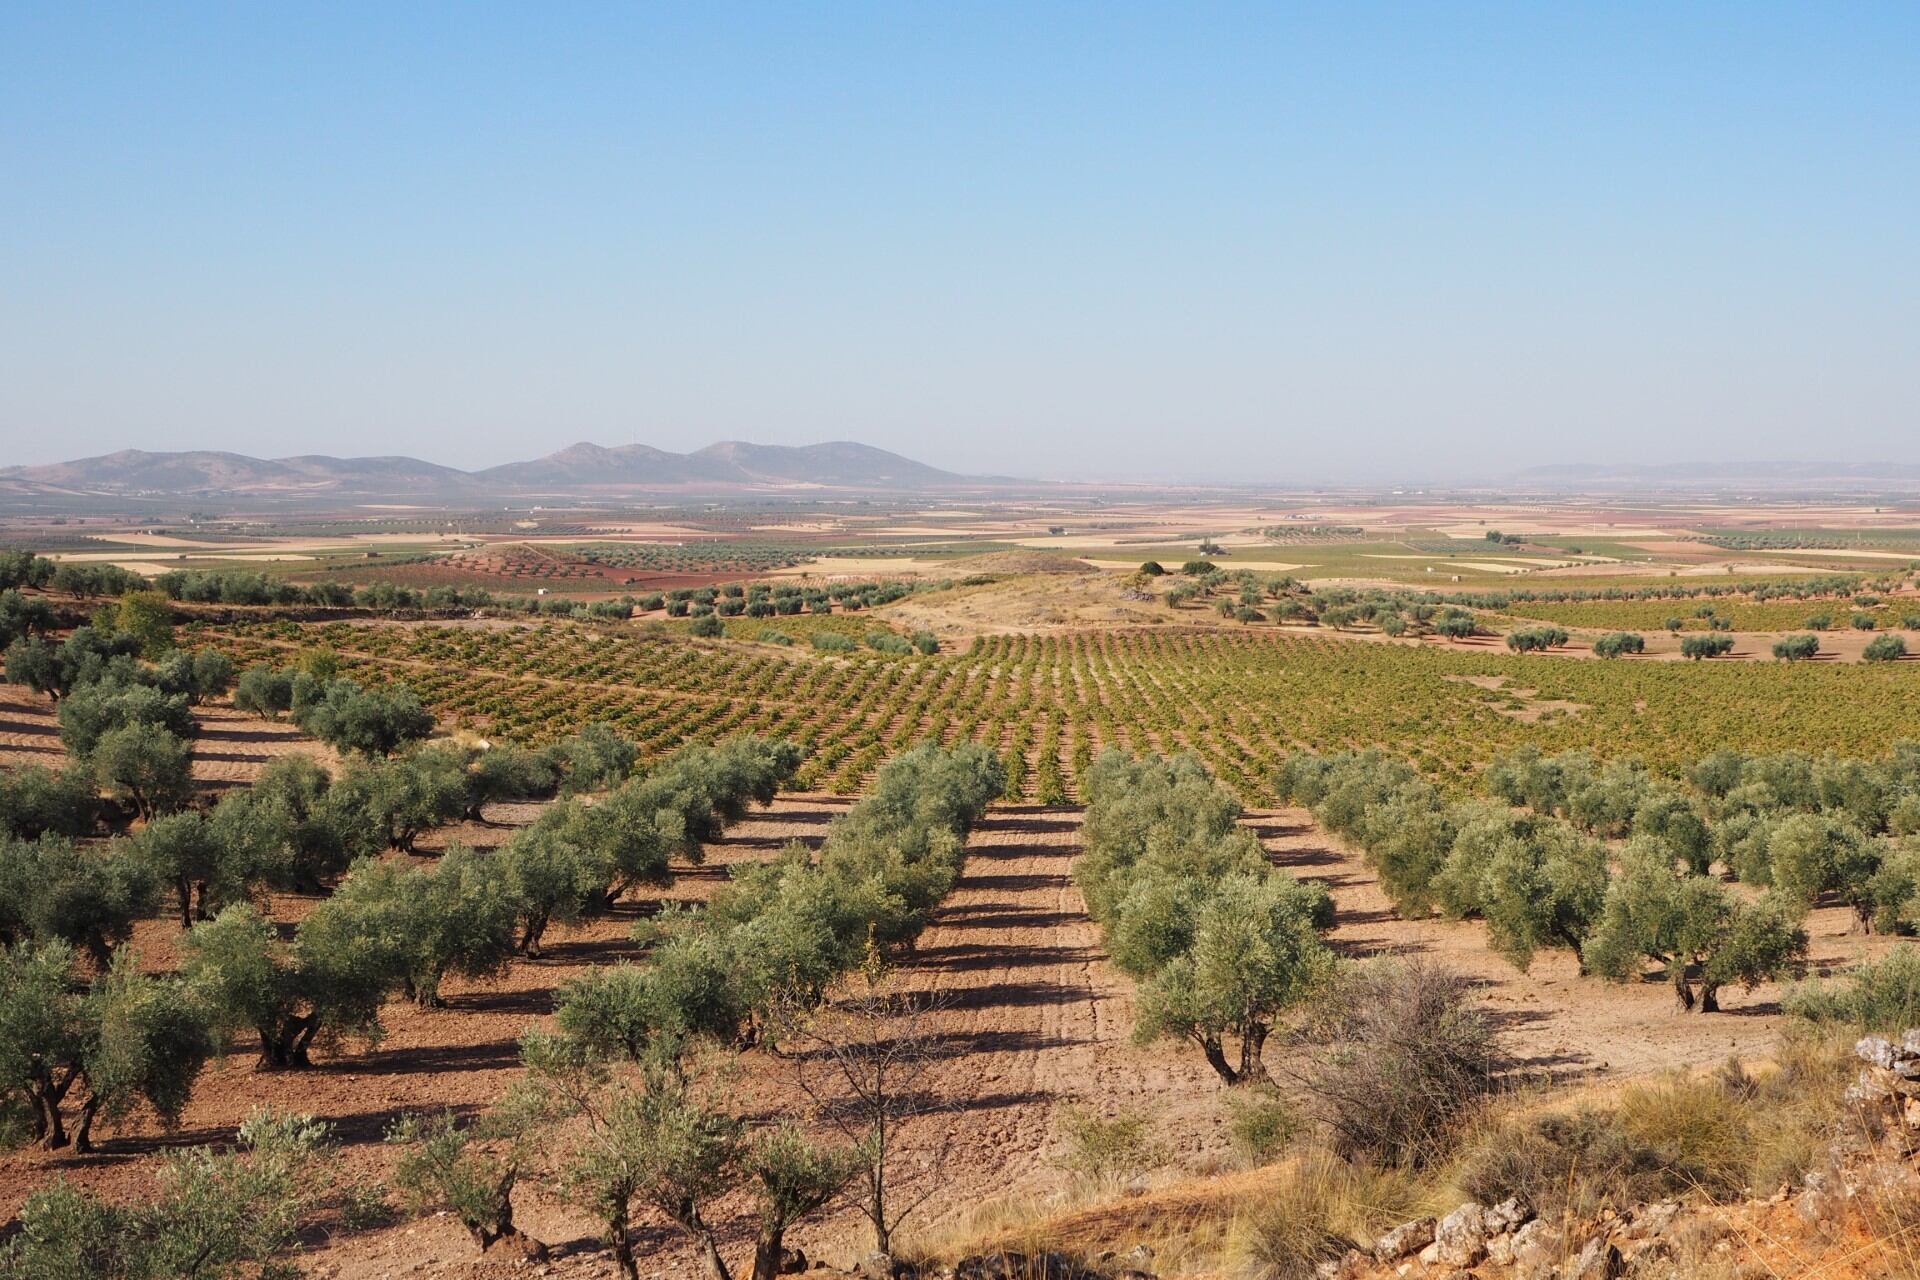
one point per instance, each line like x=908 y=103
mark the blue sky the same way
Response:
x=1269 y=242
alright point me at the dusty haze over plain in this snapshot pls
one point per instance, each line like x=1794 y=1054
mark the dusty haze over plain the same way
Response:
x=1214 y=242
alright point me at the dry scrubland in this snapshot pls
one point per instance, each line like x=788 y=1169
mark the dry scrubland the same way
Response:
x=1054 y=1128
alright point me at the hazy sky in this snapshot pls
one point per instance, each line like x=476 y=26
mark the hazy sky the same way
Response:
x=1262 y=242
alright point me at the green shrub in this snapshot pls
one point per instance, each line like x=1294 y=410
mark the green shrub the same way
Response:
x=1106 y=1150
x=1875 y=995
x=1260 y=1123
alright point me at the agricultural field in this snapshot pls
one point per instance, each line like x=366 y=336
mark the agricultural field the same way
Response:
x=1238 y=698
x=922 y=807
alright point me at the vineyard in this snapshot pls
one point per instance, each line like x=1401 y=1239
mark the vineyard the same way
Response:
x=1890 y=539
x=716 y=557
x=1239 y=700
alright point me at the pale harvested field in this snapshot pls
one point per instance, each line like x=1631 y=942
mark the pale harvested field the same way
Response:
x=1836 y=553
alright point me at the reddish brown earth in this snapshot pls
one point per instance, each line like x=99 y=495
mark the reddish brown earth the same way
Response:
x=1029 y=1011
x=1555 y=1020
x=231 y=748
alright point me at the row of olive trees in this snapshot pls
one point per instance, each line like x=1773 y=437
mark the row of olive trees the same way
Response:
x=1542 y=880
x=124 y=721
x=780 y=933
x=1808 y=826
x=398 y=928
x=72 y=1049
x=1222 y=943
x=637 y=1072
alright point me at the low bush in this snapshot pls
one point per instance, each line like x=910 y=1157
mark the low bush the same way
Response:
x=1402 y=1057
x=1106 y=1150
x=216 y=1214
x=1717 y=1137
x=1260 y=1122
x=1875 y=995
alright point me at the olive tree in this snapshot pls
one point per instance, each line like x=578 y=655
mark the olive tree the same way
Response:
x=794 y=1175
x=1668 y=813
x=87 y=655
x=596 y=758
x=1618 y=643
x=506 y=772
x=52 y=889
x=1696 y=648
x=23 y=615
x=211 y=858
x=1536 y=881
x=328 y=827
x=1885 y=648
x=1796 y=648
x=94 y=710
x=1812 y=854
x=145 y=766
x=635 y=1135
x=327 y=986
x=1254 y=955
x=199 y=675
x=455 y=917
x=1695 y=927
x=371 y=722
x=469 y=1172
x=402 y=797
x=129 y=1038
x=688 y=990
x=1397 y=818
x=559 y=869
x=264 y=691
x=36 y=801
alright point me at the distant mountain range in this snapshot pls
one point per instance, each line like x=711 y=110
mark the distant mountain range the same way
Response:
x=582 y=469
